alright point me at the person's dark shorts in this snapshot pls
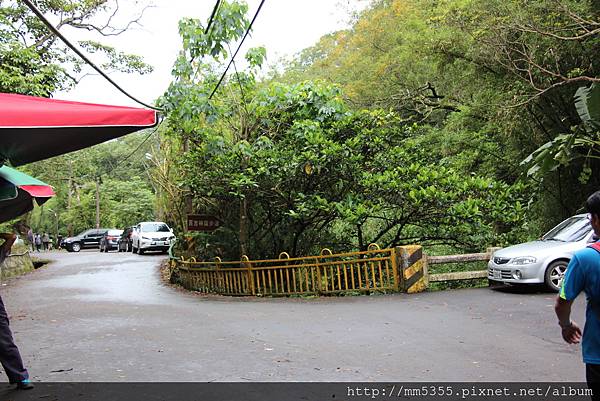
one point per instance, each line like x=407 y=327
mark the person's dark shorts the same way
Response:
x=592 y=375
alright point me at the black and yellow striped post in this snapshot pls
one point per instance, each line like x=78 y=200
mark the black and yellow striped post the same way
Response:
x=412 y=269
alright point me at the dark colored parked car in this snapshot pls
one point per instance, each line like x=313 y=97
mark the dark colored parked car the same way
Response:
x=124 y=242
x=84 y=240
x=109 y=240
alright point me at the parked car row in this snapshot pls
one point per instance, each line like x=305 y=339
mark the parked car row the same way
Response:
x=143 y=237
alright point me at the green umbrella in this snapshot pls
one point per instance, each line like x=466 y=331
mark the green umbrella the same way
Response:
x=18 y=191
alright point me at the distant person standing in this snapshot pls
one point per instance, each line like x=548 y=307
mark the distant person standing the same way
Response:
x=46 y=241
x=38 y=241
x=9 y=353
x=583 y=274
x=30 y=239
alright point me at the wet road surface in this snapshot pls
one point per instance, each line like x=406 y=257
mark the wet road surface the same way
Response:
x=108 y=317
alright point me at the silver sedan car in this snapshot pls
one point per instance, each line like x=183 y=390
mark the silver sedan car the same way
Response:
x=545 y=260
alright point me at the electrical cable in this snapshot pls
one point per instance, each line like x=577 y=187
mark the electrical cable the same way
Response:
x=120 y=162
x=238 y=49
x=55 y=31
x=212 y=16
x=210 y=21
x=136 y=149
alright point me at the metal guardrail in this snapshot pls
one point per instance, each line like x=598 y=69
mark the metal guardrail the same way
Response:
x=376 y=270
x=327 y=273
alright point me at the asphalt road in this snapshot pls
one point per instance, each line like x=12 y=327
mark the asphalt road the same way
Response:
x=108 y=317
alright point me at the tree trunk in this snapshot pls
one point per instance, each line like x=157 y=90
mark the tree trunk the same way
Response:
x=243 y=227
x=70 y=189
x=188 y=203
x=97 y=202
x=361 y=240
x=41 y=220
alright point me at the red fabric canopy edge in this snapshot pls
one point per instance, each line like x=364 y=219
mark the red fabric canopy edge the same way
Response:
x=38 y=191
x=20 y=111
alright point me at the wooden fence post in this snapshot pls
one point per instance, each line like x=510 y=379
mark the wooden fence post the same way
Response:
x=425 y=271
x=490 y=251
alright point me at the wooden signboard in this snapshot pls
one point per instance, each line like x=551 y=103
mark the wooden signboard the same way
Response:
x=202 y=222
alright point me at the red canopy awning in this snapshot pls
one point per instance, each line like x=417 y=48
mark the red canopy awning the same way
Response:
x=18 y=191
x=38 y=191
x=34 y=128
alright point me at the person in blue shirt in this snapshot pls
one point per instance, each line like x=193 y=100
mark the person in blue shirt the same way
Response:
x=583 y=274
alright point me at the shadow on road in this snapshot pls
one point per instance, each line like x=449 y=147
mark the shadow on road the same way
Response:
x=522 y=289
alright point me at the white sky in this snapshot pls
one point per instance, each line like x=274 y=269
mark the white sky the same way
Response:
x=284 y=27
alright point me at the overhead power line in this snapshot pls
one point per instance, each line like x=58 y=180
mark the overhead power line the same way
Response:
x=210 y=20
x=212 y=16
x=238 y=49
x=55 y=31
x=121 y=161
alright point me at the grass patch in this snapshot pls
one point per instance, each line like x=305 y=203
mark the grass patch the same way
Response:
x=453 y=285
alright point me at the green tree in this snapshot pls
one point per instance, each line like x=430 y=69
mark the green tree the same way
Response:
x=290 y=167
x=126 y=194
x=34 y=62
x=492 y=79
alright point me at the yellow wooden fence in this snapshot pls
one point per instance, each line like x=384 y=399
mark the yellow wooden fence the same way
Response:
x=374 y=270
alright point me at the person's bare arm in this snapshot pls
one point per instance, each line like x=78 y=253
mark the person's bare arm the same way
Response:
x=571 y=333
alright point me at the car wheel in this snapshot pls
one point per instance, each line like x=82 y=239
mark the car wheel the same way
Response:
x=555 y=274
x=76 y=247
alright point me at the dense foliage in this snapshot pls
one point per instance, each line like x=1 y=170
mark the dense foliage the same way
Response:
x=292 y=167
x=492 y=80
x=126 y=195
